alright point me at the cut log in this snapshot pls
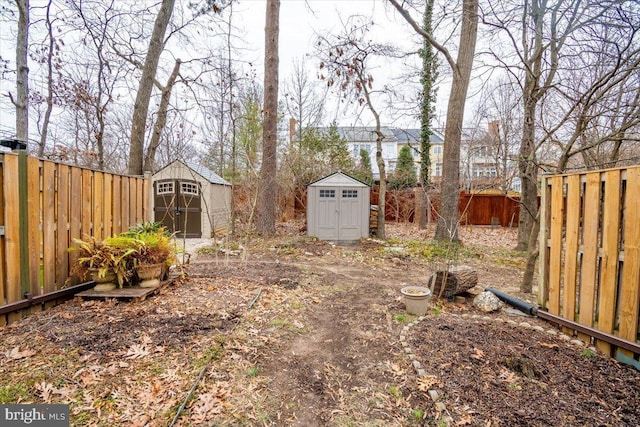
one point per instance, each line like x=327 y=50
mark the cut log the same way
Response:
x=456 y=281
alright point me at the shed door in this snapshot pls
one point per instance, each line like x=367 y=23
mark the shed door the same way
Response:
x=339 y=214
x=178 y=205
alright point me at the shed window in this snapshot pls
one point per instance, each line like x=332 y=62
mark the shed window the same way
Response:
x=165 y=187
x=349 y=194
x=189 y=188
x=327 y=194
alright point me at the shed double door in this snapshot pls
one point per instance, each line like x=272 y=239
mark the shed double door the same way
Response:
x=339 y=213
x=178 y=205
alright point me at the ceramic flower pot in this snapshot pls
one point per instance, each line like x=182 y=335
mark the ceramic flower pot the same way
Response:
x=150 y=274
x=417 y=299
x=106 y=282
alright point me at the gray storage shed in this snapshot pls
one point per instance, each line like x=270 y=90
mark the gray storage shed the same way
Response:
x=338 y=208
x=191 y=200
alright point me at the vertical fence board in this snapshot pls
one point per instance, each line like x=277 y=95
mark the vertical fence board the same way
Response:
x=146 y=199
x=35 y=202
x=555 y=255
x=133 y=197
x=98 y=190
x=75 y=210
x=117 y=205
x=571 y=252
x=589 y=264
x=48 y=226
x=86 y=203
x=62 y=226
x=124 y=205
x=12 y=227
x=139 y=200
x=543 y=244
x=630 y=287
x=609 y=272
x=108 y=206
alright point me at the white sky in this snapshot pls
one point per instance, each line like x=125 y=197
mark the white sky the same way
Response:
x=300 y=21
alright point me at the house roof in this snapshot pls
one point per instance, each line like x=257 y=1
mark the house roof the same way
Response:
x=413 y=135
x=203 y=171
x=365 y=134
x=336 y=179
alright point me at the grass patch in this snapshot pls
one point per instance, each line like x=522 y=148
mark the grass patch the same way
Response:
x=588 y=353
x=253 y=371
x=14 y=393
x=401 y=318
x=395 y=392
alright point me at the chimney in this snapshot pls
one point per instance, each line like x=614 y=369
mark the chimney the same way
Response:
x=494 y=129
x=292 y=130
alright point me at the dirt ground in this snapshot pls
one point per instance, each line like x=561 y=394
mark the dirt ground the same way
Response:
x=291 y=331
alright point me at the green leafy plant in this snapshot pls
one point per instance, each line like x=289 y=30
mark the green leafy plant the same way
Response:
x=112 y=255
x=588 y=353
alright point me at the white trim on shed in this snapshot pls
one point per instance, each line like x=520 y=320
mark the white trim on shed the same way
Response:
x=338 y=208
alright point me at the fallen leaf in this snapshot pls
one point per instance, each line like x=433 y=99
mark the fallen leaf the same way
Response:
x=16 y=354
x=477 y=353
x=428 y=382
x=548 y=345
x=465 y=421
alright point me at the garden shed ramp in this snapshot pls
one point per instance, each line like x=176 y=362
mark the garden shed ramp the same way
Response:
x=338 y=208
x=191 y=200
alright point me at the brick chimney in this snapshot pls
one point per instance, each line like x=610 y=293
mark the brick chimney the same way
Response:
x=292 y=130
x=494 y=129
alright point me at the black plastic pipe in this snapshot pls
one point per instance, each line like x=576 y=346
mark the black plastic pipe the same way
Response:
x=514 y=302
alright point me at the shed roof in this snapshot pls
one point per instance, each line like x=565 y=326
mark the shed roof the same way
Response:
x=338 y=179
x=203 y=171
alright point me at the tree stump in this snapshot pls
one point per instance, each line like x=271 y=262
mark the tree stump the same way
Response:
x=456 y=281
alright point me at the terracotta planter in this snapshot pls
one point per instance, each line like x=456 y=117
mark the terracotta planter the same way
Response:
x=103 y=283
x=417 y=299
x=150 y=274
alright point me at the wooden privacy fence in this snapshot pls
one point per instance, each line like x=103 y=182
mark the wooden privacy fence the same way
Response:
x=590 y=257
x=45 y=205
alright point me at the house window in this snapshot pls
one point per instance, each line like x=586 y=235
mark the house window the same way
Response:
x=438 y=169
x=349 y=194
x=437 y=149
x=358 y=147
x=189 y=188
x=165 y=187
x=327 y=194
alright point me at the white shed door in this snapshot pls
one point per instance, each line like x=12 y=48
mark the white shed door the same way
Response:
x=338 y=214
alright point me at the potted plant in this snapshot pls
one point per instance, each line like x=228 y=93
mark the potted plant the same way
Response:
x=155 y=254
x=104 y=263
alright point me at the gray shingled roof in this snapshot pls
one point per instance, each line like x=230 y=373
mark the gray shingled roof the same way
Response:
x=365 y=134
x=413 y=135
x=207 y=174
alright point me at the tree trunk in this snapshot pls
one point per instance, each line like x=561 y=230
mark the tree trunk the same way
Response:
x=22 y=78
x=532 y=256
x=447 y=228
x=266 y=203
x=454 y=281
x=528 y=169
x=141 y=106
x=161 y=120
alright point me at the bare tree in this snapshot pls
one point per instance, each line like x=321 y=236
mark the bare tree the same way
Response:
x=346 y=58
x=141 y=106
x=303 y=99
x=266 y=203
x=447 y=228
x=22 y=79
